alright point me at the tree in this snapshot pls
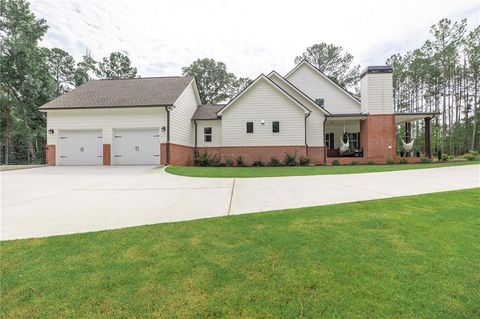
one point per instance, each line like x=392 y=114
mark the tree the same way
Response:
x=116 y=66
x=472 y=48
x=62 y=68
x=26 y=82
x=215 y=83
x=85 y=69
x=334 y=63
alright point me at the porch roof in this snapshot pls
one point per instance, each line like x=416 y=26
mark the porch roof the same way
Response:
x=410 y=117
x=346 y=117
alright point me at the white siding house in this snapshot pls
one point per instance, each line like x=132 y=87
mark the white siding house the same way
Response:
x=181 y=126
x=377 y=94
x=317 y=86
x=263 y=103
x=216 y=132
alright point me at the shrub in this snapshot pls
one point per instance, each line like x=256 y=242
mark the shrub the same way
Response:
x=240 y=162
x=290 y=159
x=304 y=160
x=403 y=161
x=472 y=156
x=390 y=161
x=228 y=163
x=274 y=162
x=445 y=157
x=354 y=162
x=257 y=163
x=425 y=160
x=439 y=155
x=335 y=162
x=370 y=162
x=205 y=159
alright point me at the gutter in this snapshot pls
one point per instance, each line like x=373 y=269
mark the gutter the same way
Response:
x=306 y=145
x=195 y=145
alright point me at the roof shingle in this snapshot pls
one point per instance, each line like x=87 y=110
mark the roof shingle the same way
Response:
x=161 y=91
x=207 y=112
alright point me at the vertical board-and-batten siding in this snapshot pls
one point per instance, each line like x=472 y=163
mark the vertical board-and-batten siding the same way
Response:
x=263 y=102
x=316 y=87
x=106 y=119
x=216 y=126
x=314 y=121
x=377 y=93
x=181 y=125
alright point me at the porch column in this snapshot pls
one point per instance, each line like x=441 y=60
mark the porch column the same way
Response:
x=428 y=139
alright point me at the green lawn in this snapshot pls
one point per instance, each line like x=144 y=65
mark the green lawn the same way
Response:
x=196 y=171
x=408 y=257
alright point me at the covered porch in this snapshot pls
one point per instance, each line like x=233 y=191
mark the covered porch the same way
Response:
x=373 y=138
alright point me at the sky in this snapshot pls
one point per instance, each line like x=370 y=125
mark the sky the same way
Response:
x=250 y=37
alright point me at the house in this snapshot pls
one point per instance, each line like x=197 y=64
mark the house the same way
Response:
x=148 y=121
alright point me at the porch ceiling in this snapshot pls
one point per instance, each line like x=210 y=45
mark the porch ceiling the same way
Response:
x=345 y=117
x=411 y=117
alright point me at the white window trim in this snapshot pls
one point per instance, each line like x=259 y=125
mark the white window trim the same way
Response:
x=206 y=134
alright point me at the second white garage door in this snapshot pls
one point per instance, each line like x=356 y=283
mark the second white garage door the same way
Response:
x=139 y=146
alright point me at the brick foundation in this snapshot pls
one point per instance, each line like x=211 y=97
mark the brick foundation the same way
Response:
x=365 y=160
x=107 y=151
x=50 y=154
x=179 y=154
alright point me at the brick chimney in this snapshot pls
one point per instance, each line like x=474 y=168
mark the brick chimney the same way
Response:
x=377 y=90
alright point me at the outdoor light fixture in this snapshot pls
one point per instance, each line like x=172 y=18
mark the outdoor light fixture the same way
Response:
x=163 y=129
x=262 y=122
x=51 y=131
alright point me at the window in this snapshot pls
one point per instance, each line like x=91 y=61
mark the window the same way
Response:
x=275 y=127
x=354 y=139
x=249 y=127
x=207 y=134
x=329 y=140
x=320 y=102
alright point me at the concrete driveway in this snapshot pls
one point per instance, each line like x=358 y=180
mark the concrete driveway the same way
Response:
x=61 y=200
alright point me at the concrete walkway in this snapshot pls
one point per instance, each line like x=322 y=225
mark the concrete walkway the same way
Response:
x=62 y=200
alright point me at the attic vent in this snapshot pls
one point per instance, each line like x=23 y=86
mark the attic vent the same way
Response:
x=320 y=102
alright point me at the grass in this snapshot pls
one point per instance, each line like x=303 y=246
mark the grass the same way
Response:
x=412 y=257
x=196 y=171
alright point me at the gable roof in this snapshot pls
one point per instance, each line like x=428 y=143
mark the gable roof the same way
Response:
x=312 y=102
x=155 y=91
x=272 y=84
x=207 y=112
x=305 y=62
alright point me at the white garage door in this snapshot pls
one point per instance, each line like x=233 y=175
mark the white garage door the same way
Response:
x=80 y=147
x=139 y=146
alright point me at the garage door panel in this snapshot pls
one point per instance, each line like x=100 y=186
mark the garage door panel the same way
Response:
x=80 y=147
x=139 y=146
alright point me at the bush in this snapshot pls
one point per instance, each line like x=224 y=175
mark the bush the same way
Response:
x=472 y=156
x=445 y=157
x=240 y=162
x=390 y=161
x=304 y=160
x=370 y=162
x=403 y=161
x=335 y=162
x=354 y=162
x=205 y=159
x=228 y=163
x=274 y=162
x=290 y=159
x=439 y=155
x=257 y=163
x=425 y=160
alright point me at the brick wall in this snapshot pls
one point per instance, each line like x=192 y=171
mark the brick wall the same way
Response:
x=316 y=154
x=107 y=149
x=179 y=154
x=50 y=155
x=378 y=137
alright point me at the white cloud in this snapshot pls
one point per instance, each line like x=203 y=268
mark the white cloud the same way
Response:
x=250 y=36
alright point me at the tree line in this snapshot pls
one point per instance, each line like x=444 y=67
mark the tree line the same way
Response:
x=442 y=75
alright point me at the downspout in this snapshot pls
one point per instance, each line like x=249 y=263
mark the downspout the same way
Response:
x=324 y=146
x=195 y=145
x=306 y=145
x=168 y=135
